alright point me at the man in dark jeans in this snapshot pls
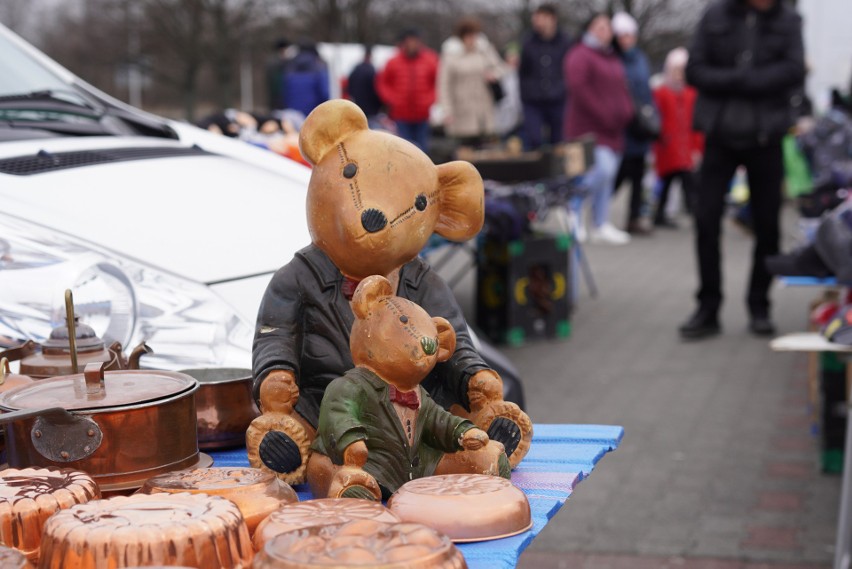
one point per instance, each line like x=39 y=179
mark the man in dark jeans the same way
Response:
x=541 y=82
x=746 y=61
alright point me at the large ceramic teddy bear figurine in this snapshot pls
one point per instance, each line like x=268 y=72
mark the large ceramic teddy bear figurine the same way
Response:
x=378 y=428
x=373 y=201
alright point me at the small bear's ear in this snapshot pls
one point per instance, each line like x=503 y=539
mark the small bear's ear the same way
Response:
x=446 y=339
x=462 y=196
x=327 y=125
x=368 y=293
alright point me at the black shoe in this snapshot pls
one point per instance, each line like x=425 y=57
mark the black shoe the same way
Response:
x=700 y=325
x=279 y=452
x=665 y=223
x=761 y=326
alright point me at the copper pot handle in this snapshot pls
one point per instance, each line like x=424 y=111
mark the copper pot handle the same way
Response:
x=94 y=374
x=58 y=435
x=20 y=352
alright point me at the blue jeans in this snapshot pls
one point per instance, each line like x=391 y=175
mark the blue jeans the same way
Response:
x=416 y=132
x=599 y=181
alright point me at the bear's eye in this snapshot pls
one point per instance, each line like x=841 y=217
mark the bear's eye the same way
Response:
x=420 y=202
x=403 y=319
x=350 y=170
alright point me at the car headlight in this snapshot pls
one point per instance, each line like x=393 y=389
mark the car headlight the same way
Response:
x=185 y=322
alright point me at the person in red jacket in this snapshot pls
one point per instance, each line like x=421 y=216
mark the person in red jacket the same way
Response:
x=407 y=87
x=678 y=150
x=599 y=104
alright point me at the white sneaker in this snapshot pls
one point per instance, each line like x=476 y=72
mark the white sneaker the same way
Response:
x=610 y=234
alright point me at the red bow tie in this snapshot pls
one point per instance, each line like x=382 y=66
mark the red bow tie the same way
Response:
x=406 y=398
x=348 y=287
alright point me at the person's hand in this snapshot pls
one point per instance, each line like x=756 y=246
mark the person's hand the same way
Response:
x=279 y=392
x=474 y=439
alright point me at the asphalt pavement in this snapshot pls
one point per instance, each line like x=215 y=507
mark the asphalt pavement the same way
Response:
x=719 y=467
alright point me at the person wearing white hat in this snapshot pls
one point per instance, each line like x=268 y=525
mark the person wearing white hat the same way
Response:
x=637 y=144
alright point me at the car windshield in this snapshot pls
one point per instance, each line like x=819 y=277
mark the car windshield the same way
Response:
x=21 y=73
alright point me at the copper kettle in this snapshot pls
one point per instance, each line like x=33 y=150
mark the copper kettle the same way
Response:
x=8 y=380
x=69 y=348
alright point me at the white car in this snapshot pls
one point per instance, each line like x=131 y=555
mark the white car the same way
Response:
x=165 y=233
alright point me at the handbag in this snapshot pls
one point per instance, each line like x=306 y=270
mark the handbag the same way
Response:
x=646 y=124
x=496 y=90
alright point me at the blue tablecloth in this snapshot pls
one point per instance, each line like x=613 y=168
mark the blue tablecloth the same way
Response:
x=561 y=456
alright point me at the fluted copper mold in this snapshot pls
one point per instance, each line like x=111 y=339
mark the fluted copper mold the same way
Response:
x=361 y=543
x=257 y=493
x=466 y=507
x=31 y=495
x=326 y=511
x=13 y=559
x=195 y=530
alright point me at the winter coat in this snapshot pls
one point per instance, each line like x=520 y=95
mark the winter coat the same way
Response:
x=599 y=102
x=304 y=322
x=357 y=408
x=746 y=65
x=407 y=85
x=540 y=70
x=305 y=82
x=463 y=91
x=362 y=88
x=678 y=142
x=638 y=73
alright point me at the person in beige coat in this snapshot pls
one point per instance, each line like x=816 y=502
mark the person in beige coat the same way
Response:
x=468 y=64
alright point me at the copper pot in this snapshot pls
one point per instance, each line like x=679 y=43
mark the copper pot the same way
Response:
x=121 y=427
x=224 y=405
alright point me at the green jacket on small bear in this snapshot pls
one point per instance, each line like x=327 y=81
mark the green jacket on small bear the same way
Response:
x=357 y=406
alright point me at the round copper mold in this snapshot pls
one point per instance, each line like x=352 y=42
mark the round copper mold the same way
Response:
x=323 y=512
x=466 y=507
x=31 y=495
x=361 y=543
x=257 y=493
x=13 y=559
x=206 y=532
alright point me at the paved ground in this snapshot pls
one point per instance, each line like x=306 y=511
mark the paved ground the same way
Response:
x=718 y=468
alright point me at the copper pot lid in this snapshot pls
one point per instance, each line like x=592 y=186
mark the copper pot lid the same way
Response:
x=99 y=390
x=361 y=543
x=466 y=507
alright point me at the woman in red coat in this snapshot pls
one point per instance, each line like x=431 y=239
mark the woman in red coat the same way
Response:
x=678 y=150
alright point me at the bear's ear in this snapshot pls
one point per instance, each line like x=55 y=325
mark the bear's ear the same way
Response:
x=462 y=199
x=368 y=293
x=446 y=339
x=327 y=125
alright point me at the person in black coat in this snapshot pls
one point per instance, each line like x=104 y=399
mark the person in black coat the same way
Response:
x=747 y=61
x=540 y=77
x=362 y=85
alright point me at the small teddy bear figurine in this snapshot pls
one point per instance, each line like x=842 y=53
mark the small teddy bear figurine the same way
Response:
x=378 y=428
x=373 y=202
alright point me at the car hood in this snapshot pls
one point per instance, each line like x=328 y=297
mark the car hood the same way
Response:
x=209 y=218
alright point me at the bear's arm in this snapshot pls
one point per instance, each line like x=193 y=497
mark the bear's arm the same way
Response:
x=448 y=381
x=441 y=429
x=279 y=329
x=341 y=410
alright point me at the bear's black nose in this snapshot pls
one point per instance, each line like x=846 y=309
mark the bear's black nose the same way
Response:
x=373 y=220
